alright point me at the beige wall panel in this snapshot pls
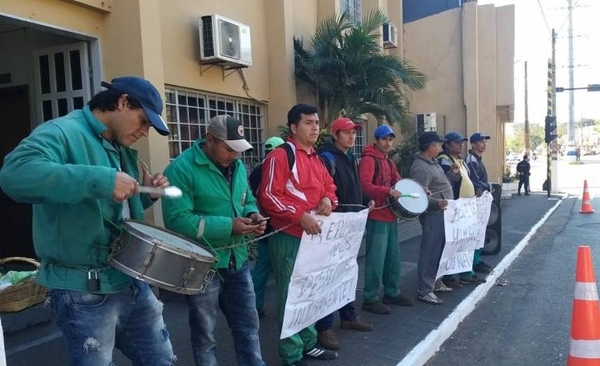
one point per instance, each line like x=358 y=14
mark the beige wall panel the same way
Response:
x=394 y=13
x=181 y=46
x=326 y=9
x=433 y=46
x=486 y=19
x=505 y=55
x=305 y=16
x=470 y=67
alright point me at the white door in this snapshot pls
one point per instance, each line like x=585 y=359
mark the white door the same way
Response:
x=62 y=80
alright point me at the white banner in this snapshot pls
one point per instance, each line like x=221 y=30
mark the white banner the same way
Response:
x=325 y=273
x=465 y=222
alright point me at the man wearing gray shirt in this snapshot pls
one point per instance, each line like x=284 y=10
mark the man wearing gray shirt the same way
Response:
x=427 y=171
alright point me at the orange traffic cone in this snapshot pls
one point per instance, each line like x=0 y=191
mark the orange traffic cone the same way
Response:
x=586 y=203
x=585 y=323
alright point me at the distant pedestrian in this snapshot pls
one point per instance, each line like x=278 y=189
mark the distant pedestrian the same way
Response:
x=523 y=168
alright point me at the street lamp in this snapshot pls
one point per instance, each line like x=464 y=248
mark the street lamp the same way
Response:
x=590 y=88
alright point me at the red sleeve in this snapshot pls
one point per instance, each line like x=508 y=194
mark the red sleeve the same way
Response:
x=273 y=202
x=397 y=176
x=366 y=170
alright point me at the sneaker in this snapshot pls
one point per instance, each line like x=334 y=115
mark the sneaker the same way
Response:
x=400 y=300
x=482 y=267
x=431 y=299
x=518 y=194
x=376 y=307
x=318 y=353
x=327 y=340
x=473 y=280
x=441 y=287
x=453 y=283
x=299 y=363
x=356 y=324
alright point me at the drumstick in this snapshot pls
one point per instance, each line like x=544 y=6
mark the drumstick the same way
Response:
x=411 y=195
x=172 y=191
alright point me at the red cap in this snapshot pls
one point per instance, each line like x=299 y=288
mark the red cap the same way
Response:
x=343 y=124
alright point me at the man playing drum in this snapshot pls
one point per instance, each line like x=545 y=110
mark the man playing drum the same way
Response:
x=288 y=192
x=81 y=176
x=427 y=171
x=218 y=209
x=378 y=174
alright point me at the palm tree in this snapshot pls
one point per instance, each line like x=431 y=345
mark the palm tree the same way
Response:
x=349 y=74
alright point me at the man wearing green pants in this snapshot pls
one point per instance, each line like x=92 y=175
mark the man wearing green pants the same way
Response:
x=294 y=183
x=378 y=175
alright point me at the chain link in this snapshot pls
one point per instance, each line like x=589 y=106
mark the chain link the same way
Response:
x=258 y=238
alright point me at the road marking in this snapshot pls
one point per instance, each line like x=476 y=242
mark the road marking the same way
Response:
x=429 y=346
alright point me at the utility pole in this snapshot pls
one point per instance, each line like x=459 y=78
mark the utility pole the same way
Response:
x=554 y=144
x=527 y=137
x=551 y=184
x=571 y=127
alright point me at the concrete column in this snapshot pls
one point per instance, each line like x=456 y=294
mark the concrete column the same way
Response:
x=470 y=66
x=280 y=56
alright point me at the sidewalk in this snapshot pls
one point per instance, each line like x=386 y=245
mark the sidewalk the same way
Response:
x=395 y=334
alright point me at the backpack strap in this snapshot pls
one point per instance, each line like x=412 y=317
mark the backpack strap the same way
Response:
x=329 y=161
x=291 y=154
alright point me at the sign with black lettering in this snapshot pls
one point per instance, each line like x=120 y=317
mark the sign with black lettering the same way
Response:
x=325 y=273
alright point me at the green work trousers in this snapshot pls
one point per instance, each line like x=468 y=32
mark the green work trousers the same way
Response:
x=283 y=249
x=476 y=260
x=382 y=265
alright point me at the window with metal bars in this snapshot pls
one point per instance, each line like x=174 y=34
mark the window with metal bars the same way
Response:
x=353 y=8
x=189 y=111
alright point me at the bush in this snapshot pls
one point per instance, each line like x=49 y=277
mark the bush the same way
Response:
x=507 y=176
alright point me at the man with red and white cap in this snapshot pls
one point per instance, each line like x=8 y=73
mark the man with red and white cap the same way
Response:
x=343 y=167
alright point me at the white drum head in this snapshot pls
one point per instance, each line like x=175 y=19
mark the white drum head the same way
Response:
x=413 y=205
x=169 y=239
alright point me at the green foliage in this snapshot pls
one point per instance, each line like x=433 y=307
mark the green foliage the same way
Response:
x=404 y=155
x=516 y=143
x=507 y=176
x=350 y=76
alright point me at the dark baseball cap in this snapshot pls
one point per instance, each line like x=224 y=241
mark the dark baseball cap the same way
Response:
x=429 y=137
x=478 y=136
x=143 y=92
x=455 y=137
x=230 y=130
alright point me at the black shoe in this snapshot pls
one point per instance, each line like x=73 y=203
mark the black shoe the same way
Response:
x=318 y=353
x=400 y=300
x=482 y=267
x=518 y=194
x=299 y=363
x=527 y=194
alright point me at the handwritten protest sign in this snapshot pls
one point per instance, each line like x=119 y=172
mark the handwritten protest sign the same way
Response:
x=465 y=222
x=326 y=273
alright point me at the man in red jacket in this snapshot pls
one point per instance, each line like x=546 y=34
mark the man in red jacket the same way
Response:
x=378 y=175
x=288 y=195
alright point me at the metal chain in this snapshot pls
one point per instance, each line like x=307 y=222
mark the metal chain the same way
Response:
x=255 y=239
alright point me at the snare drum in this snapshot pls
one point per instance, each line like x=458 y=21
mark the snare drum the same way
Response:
x=162 y=258
x=408 y=208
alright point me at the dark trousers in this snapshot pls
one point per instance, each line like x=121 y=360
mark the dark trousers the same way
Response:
x=523 y=180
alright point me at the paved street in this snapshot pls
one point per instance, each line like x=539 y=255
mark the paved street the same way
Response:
x=527 y=322
x=395 y=335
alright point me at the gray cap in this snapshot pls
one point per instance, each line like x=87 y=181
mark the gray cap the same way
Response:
x=230 y=130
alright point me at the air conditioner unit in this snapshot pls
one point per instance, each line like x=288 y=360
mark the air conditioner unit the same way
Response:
x=224 y=41
x=390 y=36
x=426 y=122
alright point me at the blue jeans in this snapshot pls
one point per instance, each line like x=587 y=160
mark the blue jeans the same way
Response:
x=347 y=312
x=131 y=320
x=232 y=290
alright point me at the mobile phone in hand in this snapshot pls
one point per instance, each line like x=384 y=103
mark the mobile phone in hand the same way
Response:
x=260 y=221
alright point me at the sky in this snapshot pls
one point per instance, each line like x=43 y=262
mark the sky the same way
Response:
x=533 y=44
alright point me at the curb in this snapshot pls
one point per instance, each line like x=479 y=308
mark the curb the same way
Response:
x=429 y=346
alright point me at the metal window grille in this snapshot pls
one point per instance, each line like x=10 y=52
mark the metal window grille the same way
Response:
x=353 y=8
x=360 y=142
x=189 y=111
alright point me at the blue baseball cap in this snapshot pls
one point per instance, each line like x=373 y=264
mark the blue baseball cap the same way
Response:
x=143 y=92
x=455 y=136
x=478 y=136
x=384 y=131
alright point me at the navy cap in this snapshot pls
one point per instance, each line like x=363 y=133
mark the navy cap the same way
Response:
x=478 y=136
x=143 y=92
x=384 y=131
x=455 y=136
x=429 y=137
